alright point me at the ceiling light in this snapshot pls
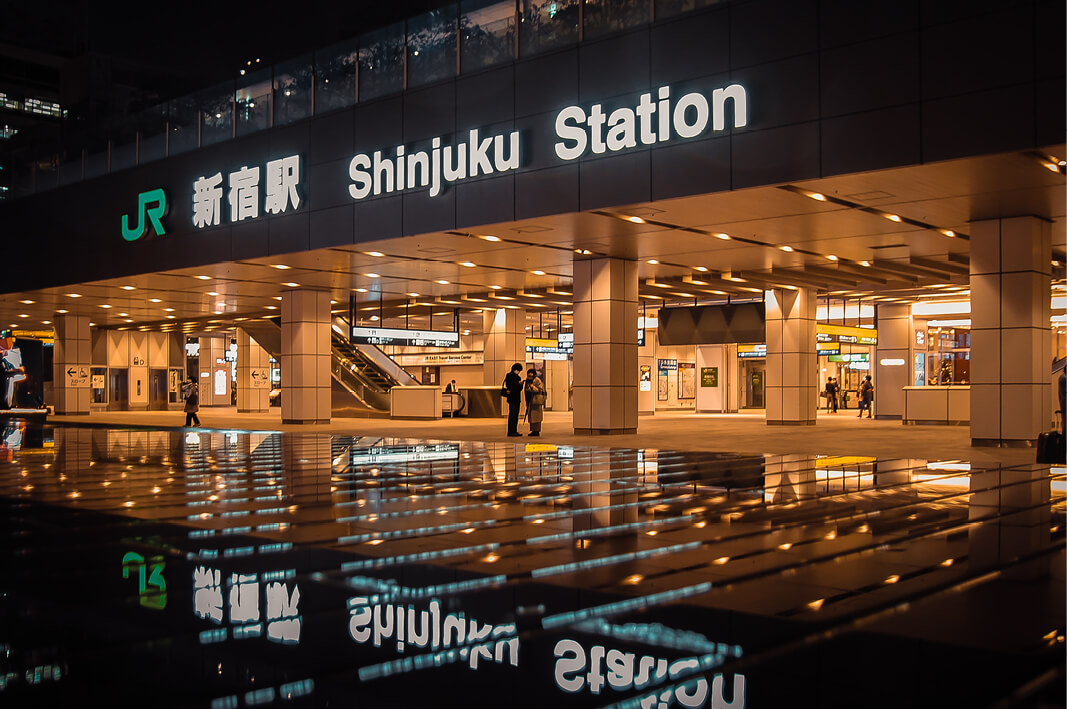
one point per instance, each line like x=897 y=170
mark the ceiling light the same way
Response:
x=105 y=305
x=62 y=312
x=280 y=266
x=74 y=295
x=468 y=264
x=702 y=269
x=786 y=248
x=865 y=263
x=538 y=273
x=26 y=302
x=171 y=317
x=46 y=322
x=374 y=318
x=413 y=295
x=127 y=288
x=635 y=220
x=372 y=275
x=204 y=278
x=832 y=257
x=220 y=305
x=124 y=315
x=292 y=285
x=154 y=300
x=489 y=237
x=168 y=310
x=442 y=282
x=276 y=297
x=23 y=315
x=128 y=320
x=724 y=237
x=375 y=253
x=892 y=217
x=212 y=293
x=817 y=195
x=495 y=287
x=948 y=232
x=653 y=261
x=272 y=307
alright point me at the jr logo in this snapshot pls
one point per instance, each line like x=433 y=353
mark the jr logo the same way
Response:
x=158 y=200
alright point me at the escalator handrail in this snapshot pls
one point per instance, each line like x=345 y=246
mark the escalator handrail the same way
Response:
x=377 y=357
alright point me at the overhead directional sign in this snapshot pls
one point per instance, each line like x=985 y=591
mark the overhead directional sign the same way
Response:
x=77 y=377
x=410 y=338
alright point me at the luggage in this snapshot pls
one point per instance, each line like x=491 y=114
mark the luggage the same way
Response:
x=1050 y=447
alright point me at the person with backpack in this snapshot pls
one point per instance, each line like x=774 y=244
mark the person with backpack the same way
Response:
x=191 y=394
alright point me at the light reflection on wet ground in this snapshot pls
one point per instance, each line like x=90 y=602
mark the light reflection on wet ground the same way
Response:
x=243 y=569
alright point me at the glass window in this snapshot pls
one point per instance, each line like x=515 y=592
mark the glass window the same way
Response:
x=605 y=16
x=216 y=114
x=432 y=46
x=547 y=24
x=124 y=148
x=183 y=120
x=670 y=8
x=487 y=33
x=335 y=76
x=70 y=170
x=96 y=160
x=292 y=91
x=46 y=172
x=152 y=125
x=381 y=62
x=252 y=102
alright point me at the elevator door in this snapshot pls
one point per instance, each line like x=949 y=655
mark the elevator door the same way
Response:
x=754 y=382
x=157 y=390
x=119 y=385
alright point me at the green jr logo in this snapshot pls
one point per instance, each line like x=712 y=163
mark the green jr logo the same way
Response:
x=154 y=197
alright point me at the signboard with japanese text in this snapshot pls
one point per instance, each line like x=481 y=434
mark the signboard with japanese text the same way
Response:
x=709 y=376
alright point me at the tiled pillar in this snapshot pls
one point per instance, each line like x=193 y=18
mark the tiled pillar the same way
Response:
x=791 y=359
x=505 y=343
x=605 y=346
x=1011 y=344
x=71 y=360
x=895 y=335
x=305 y=356
x=253 y=375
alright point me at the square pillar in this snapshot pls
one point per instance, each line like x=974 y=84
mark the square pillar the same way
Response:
x=71 y=360
x=791 y=359
x=605 y=346
x=253 y=375
x=895 y=336
x=306 y=357
x=504 y=343
x=1011 y=346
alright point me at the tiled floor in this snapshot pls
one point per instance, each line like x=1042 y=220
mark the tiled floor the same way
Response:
x=227 y=569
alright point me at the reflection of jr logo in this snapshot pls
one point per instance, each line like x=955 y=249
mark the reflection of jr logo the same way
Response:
x=158 y=200
x=151 y=587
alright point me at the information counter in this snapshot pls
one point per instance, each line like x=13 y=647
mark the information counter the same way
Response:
x=946 y=405
x=482 y=402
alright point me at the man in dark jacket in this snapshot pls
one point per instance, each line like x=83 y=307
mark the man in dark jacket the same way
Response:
x=513 y=383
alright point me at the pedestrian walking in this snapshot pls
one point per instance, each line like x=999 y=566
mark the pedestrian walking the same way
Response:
x=511 y=389
x=534 y=389
x=191 y=394
x=866 y=397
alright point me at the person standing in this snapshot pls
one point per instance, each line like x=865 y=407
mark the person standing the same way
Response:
x=866 y=397
x=513 y=387
x=830 y=393
x=534 y=389
x=450 y=388
x=191 y=394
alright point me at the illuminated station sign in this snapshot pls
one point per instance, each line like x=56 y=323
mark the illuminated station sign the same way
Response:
x=406 y=338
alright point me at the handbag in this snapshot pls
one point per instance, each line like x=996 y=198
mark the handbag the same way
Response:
x=504 y=389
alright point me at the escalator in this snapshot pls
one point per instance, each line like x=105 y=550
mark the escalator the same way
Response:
x=362 y=375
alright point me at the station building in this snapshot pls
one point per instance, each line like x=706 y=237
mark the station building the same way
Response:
x=660 y=204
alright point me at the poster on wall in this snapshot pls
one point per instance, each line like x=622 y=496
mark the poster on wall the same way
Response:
x=666 y=366
x=645 y=383
x=687 y=380
x=709 y=377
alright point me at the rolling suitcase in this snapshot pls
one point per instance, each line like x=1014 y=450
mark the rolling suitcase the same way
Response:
x=1050 y=447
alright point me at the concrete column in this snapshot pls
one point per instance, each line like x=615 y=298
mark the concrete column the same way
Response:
x=253 y=375
x=791 y=360
x=605 y=346
x=895 y=337
x=305 y=356
x=1011 y=346
x=71 y=360
x=504 y=343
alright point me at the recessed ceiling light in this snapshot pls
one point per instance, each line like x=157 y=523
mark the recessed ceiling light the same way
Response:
x=154 y=300
x=892 y=217
x=948 y=232
x=724 y=237
x=635 y=220
x=832 y=257
x=702 y=269
x=204 y=278
x=375 y=253
x=92 y=324
x=105 y=305
x=124 y=315
x=272 y=307
x=653 y=261
x=212 y=293
x=292 y=285
x=74 y=295
x=127 y=288
x=538 y=272
x=280 y=266
x=26 y=302
x=361 y=290
x=276 y=297
x=817 y=195
x=414 y=295
x=129 y=320
x=62 y=312
x=374 y=318
x=468 y=264
x=495 y=287
x=168 y=310
x=489 y=237
x=786 y=248
x=443 y=282
x=46 y=322
x=171 y=317
x=865 y=263
x=23 y=315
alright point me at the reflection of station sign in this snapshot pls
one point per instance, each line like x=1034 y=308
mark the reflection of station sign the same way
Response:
x=404 y=454
x=846 y=334
x=751 y=351
x=404 y=338
x=77 y=377
x=260 y=379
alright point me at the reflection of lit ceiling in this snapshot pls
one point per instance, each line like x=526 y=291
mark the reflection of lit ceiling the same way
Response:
x=703 y=248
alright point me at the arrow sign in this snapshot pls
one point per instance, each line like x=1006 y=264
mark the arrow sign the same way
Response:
x=259 y=379
x=77 y=377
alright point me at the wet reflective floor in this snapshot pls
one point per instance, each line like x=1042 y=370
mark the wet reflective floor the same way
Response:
x=231 y=569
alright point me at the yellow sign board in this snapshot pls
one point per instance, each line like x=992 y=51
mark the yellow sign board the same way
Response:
x=846 y=333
